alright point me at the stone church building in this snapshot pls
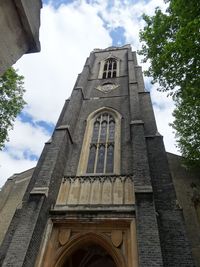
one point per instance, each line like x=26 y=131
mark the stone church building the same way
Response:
x=103 y=191
x=19 y=30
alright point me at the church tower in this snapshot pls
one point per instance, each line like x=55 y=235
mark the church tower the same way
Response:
x=102 y=193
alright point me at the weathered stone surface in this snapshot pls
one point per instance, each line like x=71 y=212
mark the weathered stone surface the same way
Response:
x=11 y=196
x=109 y=190
x=19 y=30
x=140 y=193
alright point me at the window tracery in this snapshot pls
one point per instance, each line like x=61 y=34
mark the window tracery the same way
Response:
x=110 y=68
x=101 y=152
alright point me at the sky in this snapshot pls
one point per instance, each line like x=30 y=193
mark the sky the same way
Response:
x=70 y=30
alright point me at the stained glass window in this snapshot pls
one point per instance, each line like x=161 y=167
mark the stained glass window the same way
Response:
x=101 y=158
x=95 y=131
x=103 y=132
x=91 y=160
x=101 y=153
x=111 y=130
x=109 y=159
x=110 y=68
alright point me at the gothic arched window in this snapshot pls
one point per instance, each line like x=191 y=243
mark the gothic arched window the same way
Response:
x=101 y=145
x=101 y=151
x=110 y=68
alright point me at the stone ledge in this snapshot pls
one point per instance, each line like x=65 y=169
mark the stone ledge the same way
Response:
x=143 y=189
x=66 y=127
x=40 y=191
x=94 y=208
x=137 y=122
x=157 y=134
x=101 y=177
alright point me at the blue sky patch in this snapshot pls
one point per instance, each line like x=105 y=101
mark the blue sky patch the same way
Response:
x=110 y=4
x=26 y=118
x=118 y=37
x=29 y=156
x=48 y=126
x=57 y=3
x=148 y=84
x=105 y=23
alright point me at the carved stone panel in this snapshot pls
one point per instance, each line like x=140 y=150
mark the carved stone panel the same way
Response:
x=96 y=190
x=106 y=192
x=129 y=196
x=116 y=237
x=118 y=191
x=95 y=193
x=85 y=192
x=74 y=192
x=108 y=87
x=64 y=235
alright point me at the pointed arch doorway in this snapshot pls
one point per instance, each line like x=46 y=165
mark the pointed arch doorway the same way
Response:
x=90 y=250
x=91 y=255
x=104 y=243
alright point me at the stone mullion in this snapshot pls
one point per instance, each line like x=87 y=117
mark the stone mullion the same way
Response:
x=106 y=71
x=112 y=69
x=98 y=142
x=106 y=144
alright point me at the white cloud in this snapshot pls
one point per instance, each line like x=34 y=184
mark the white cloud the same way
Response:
x=128 y=14
x=13 y=166
x=26 y=137
x=25 y=140
x=163 y=108
x=68 y=34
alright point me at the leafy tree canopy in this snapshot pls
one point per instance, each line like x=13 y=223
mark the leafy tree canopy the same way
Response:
x=187 y=125
x=171 y=42
x=11 y=101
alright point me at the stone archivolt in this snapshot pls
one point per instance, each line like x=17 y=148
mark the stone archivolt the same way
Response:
x=67 y=238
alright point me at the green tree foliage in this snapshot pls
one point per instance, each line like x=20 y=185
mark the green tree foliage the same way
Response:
x=11 y=101
x=187 y=125
x=171 y=42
